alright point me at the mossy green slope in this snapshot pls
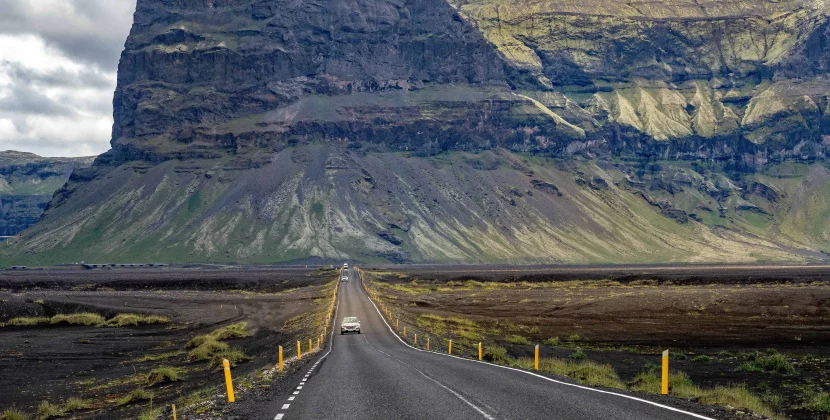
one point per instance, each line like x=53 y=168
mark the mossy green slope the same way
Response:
x=489 y=207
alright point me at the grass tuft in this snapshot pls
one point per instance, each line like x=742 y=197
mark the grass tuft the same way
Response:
x=769 y=361
x=553 y=341
x=151 y=414
x=27 y=321
x=238 y=330
x=817 y=401
x=702 y=358
x=207 y=349
x=517 y=339
x=75 y=404
x=12 y=414
x=577 y=355
x=47 y=410
x=163 y=374
x=234 y=356
x=586 y=372
x=135 y=395
x=495 y=354
x=125 y=320
x=681 y=386
x=78 y=319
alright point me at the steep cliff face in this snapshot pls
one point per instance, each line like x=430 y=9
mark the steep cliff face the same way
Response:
x=27 y=182
x=475 y=131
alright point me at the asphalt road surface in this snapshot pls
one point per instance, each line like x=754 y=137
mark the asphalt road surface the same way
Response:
x=374 y=375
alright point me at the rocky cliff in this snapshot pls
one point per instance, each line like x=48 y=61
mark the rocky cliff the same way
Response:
x=478 y=130
x=27 y=182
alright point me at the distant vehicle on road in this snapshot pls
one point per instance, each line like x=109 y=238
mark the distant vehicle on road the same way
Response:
x=344 y=278
x=345 y=265
x=350 y=324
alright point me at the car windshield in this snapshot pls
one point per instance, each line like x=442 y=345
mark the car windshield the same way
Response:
x=350 y=319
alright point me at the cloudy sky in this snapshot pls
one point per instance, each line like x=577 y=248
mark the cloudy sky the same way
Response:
x=58 y=62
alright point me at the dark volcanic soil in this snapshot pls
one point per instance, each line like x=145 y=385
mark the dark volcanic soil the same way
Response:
x=55 y=362
x=626 y=316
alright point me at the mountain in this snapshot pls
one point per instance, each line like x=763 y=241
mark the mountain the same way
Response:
x=27 y=182
x=459 y=131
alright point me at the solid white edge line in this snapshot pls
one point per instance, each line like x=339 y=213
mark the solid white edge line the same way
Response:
x=535 y=374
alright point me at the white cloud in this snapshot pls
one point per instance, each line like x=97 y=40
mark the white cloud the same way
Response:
x=58 y=64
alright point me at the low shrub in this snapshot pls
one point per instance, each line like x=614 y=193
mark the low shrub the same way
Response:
x=678 y=356
x=135 y=395
x=78 y=319
x=574 y=337
x=702 y=358
x=163 y=374
x=151 y=414
x=517 y=339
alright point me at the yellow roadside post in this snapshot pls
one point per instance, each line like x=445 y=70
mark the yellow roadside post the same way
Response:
x=397 y=321
x=299 y=351
x=404 y=331
x=449 y=348
x=310 y=348
x=228 y=382
x=427 y=343
x=282 y=365
x=665 y=388
x=416 y=340
x=536 y=358
x=480 y=354
x=174 y=412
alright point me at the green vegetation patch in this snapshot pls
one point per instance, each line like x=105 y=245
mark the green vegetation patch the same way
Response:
x=135 y=395
x=125 y=320
x=163 y=374
x=234 y=356
x=207 y=349
x=78 y=319
x=517 y=339
x=817 y=401
x=737 y=396
x=12 y=414
x=770 y=361
x=27 y=321
x=584 y=371
x=47 y=410
x=238 y=330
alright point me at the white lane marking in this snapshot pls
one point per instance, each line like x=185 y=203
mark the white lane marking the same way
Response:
x=279 y=416
x=535 y=374
x=457 y=395
x=291 y=398
x=300 y=387
x=285 y=406
x=296 y=392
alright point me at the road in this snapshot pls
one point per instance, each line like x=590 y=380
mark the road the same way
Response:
x=374 y=375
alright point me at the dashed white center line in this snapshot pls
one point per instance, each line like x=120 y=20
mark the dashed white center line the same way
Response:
x=300 y=387
x=285 y=406
x=279 y=416
x=296 y=392
x=291 y=398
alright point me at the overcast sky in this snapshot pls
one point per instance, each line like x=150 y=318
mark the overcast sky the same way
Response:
x=58 y=62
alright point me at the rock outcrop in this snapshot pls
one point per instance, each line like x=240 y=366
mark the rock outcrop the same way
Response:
x=27 y=182
x=580 y=131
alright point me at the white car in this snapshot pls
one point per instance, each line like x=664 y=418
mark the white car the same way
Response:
x=344 y=278
x=350 y=324
x=345 y=265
